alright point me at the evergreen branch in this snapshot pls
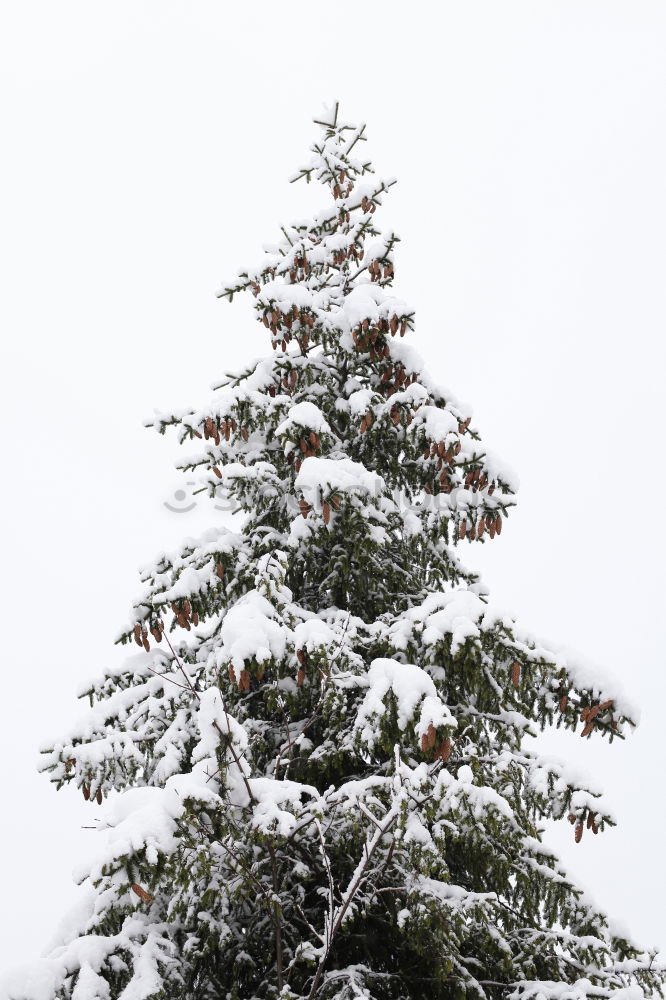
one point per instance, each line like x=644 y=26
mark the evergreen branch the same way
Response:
x=227 y=738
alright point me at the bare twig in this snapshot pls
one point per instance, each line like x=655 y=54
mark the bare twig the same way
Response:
x=277 y=921
x=355 y=884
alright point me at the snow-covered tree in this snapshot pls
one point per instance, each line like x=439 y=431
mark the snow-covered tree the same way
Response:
x=315 y=762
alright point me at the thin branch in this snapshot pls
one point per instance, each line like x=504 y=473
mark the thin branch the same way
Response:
x=331 y=888
x=351 y=892
x=170 y=679
x=228 y=742
x=278 y=922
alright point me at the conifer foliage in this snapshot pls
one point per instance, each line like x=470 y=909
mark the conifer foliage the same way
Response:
x=311 y=773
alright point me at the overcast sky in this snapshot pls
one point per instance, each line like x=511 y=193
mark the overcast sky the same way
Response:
x=146 y=149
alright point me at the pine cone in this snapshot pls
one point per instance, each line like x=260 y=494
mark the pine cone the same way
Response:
x=141 y=892
x=515 y=673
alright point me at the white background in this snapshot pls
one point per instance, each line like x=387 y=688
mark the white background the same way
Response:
x=145 y=152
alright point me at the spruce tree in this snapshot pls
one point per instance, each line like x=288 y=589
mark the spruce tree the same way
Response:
x=315 y=764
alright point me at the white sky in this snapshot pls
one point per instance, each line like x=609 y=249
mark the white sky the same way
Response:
x=146 y=147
